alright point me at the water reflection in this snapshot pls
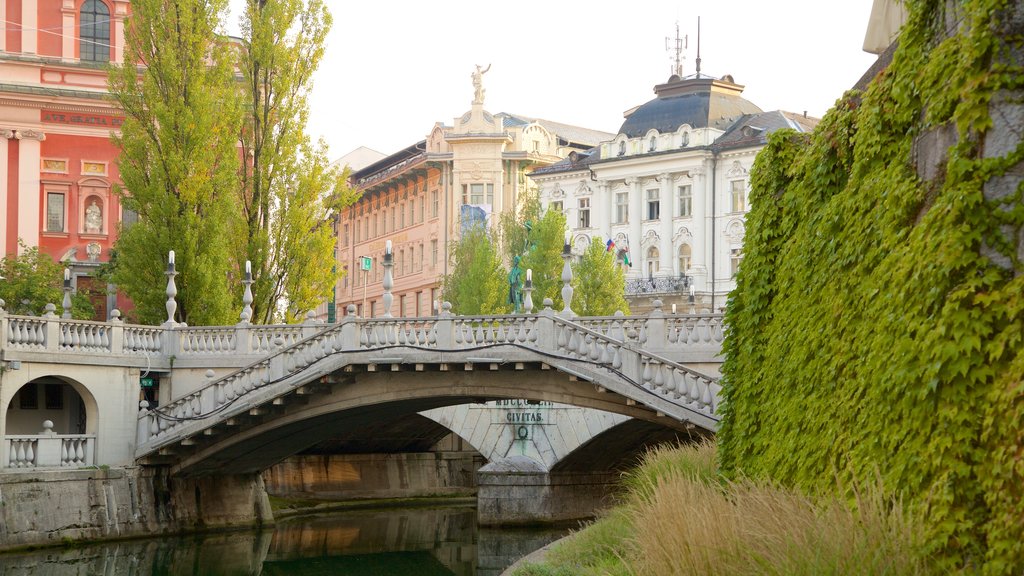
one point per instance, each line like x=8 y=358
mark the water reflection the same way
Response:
x=424 y=542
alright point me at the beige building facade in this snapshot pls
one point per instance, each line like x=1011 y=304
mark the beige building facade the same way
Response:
x=420 y=197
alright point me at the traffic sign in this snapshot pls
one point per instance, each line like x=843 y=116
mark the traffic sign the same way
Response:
x=365 y=263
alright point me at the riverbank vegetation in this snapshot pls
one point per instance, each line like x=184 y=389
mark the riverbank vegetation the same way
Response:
x=679 y=516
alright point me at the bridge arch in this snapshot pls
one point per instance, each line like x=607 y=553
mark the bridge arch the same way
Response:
x=254 y=440
x=64 y=401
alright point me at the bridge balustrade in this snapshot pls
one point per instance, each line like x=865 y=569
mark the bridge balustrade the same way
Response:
x=545 y=335
x=646 y=351
x=49 y=450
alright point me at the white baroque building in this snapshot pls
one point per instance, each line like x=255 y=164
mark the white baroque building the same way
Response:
x=670 y=190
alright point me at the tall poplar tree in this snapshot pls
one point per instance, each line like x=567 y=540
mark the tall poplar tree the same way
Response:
x=179 y=159
x=477 y=283
x=289 y=191
x=599 y=283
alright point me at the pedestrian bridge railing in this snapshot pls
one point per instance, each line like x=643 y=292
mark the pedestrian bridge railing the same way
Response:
x=646 y=376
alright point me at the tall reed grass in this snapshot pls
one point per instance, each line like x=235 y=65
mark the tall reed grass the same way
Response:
x=680 y=518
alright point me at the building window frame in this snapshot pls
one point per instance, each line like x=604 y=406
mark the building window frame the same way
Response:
x=684 y=194
x=621 y=207
x=738 y=195
x=56 y=218
x=735 y=260
x=583 y=218
x=653 y=203
x=94 y=26
x=685 y=255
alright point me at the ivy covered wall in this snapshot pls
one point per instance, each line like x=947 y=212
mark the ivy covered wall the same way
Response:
x=877 y=330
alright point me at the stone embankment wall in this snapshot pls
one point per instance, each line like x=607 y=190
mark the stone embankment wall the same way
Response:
x=357 y=476
x=56 y=507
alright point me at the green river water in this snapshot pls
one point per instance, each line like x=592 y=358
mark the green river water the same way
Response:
x=390 y=542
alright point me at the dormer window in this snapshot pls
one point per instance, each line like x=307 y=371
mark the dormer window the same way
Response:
x=653 y=144
x=94 y=32
x=622 y=148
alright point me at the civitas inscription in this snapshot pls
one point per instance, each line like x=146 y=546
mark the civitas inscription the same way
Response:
x=520 y=411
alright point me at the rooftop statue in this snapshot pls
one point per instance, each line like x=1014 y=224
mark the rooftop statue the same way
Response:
x=478 y=84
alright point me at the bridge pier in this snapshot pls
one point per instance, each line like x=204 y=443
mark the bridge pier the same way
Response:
x=520 y=491
x=52 y=507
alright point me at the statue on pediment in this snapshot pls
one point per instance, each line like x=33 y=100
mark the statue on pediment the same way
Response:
x=478 y=84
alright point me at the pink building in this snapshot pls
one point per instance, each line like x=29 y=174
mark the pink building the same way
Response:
x=57 y=162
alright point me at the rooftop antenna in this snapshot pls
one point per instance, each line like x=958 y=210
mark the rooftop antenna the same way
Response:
x=677 y=45
x=698 y=46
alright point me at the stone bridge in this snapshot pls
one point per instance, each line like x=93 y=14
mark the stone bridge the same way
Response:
x=225 y=390
x=361 y=371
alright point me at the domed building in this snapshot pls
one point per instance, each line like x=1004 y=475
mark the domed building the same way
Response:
x=670 y=190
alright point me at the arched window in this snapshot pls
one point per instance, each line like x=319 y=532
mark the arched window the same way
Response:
x=94 y=32
x=684 y=258
x=653 y=265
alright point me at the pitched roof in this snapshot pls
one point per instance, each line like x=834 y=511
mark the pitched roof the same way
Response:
x=567 y=132
x=753 y=129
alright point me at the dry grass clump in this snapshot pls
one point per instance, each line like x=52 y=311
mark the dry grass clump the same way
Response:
x=681 y=518
x=753 y=528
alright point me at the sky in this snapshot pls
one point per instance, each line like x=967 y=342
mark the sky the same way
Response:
x=392 y=69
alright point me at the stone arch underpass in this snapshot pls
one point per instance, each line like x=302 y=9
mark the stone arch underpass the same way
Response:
x=251 y=419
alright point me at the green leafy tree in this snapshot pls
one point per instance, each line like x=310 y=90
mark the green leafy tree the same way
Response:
x=179 y=159
x=32 y=280
x=537 y=236
x=599 y=282
x=477 y=283
x=289 y=190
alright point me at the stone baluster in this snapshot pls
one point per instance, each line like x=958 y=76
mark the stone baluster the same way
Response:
x=445 y=327
x=48 y=447
x=4 y=328
x=116 y=332
x=310 y=326
x=67 y=295
x=142 y=433
x=51 y=332
x=528 y=292
x=546 y=338
x=172 y=291
x=656 y=338
x=567 y=289
x=349 y=332
x=246 y=315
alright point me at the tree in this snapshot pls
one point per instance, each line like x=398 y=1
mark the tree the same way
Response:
x=32 y=280
x=477 y=283
x=179 y=159
x=289 y=192
x=599 y=282
x=537 y=237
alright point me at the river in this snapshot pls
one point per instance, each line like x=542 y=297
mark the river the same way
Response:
x=388 y=542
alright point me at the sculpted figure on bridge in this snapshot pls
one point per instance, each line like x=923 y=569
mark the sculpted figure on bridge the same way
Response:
x=515 y=286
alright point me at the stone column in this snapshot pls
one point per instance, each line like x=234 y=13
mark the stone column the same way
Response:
x=666 y=251
x=28 y=184
x=604 y=191
x=636 y=218
x=29 y=26
x=5 y=135
x=67 y=37
x=120 y=13
x=701 y=193
x=3 y=36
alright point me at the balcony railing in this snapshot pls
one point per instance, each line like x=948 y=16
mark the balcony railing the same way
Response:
x=658 y=285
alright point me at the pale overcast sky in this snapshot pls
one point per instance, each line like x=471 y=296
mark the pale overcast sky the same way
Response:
x=392 y=69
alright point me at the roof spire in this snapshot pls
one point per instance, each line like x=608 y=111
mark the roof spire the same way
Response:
x=677 y=45
x=698 y=46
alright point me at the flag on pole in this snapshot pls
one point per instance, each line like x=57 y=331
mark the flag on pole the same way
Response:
x=610 y=245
